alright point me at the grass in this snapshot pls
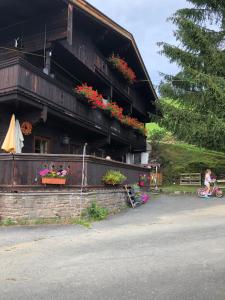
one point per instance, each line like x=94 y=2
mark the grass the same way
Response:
x=83 y=222
x=43 y=221
x=182 y=158
x=179 y=188
x=181 y=153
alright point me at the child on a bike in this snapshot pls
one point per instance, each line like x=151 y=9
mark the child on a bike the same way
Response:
x=207 y=182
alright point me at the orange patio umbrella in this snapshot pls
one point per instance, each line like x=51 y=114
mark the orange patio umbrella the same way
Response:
x=9 y=144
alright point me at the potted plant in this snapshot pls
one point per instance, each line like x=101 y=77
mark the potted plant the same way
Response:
x=144 y=180
x=113 y=178
x=53 y=176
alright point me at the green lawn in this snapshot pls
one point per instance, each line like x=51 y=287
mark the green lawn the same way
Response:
x=179 y=188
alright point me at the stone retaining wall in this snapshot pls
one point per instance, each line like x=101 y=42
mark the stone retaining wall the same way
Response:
x=50 y=205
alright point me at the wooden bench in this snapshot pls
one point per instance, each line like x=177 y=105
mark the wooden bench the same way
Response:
x=221 y=183
x=190 y=179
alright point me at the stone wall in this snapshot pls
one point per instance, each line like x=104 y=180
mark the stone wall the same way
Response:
x=50 y=205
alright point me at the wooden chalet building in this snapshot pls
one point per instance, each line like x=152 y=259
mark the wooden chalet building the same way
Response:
x=47 y=49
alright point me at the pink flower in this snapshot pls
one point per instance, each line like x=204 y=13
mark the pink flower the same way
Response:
x=44 y=172
x=145 y=198
x=64 y=173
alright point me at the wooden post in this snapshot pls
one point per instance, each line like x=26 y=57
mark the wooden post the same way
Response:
x=70 y=25
x=47 y=68
x=111 y=92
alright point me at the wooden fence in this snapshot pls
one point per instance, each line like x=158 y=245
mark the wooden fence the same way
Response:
x=190 y=179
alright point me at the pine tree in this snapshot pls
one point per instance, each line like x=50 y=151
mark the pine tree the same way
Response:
x=194 y=108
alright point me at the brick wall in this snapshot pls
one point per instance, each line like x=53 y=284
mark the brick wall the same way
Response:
x=51 y=205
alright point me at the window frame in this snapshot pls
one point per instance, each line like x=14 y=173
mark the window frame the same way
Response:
x=42 y=138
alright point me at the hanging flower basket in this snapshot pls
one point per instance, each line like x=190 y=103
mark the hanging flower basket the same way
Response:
x=52 y=180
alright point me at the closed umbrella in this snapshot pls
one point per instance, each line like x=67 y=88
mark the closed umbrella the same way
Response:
x=9 y=144
x=13 y=142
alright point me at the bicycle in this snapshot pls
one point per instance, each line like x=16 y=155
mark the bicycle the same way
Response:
x=215 y=191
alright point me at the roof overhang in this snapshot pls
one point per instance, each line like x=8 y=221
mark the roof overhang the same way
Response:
x=91 y=10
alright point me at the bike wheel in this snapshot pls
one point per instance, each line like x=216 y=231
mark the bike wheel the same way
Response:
x=201 y=192
x=219 y=194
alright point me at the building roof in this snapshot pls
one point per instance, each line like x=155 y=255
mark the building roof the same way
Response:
x=91 y=10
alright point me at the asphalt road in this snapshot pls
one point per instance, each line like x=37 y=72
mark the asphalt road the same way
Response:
x=171 y=248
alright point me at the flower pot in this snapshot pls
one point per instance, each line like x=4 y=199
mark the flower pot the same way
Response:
x=53 y=180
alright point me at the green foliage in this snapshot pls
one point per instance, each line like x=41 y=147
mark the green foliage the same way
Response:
x=182 y=158
x=8 y=222
x=179 y=188
x=155 y=133
x=82 y=222
x=158 y=134
x=96 y=213
x=196 y=110
x=113 y=177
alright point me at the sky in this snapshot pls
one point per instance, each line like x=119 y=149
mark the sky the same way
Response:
x=147 y=21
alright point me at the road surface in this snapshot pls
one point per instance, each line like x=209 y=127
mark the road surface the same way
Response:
x=171 y=248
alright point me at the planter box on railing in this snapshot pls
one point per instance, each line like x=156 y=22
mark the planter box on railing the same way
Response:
x=50 y=180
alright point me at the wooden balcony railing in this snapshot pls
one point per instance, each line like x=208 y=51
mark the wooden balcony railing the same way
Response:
x=22 y=170
x=102 y=66
x=20 y=77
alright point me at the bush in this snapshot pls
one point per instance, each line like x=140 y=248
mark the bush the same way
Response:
x=114 y=177
x=172 y=173
x=156 y=135
x=96 y=212
x=197 y=167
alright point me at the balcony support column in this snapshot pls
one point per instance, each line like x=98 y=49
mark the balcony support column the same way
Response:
x=70 y=25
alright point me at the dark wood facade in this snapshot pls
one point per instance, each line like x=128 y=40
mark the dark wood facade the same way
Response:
x=48 y=48
x=73 y=47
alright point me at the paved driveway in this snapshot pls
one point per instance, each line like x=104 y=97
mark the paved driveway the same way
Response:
x=171 y=248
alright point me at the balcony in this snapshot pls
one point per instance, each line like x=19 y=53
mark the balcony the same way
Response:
x=22 y=171
x=98 y=64
x=101 y=66
x=22 y=81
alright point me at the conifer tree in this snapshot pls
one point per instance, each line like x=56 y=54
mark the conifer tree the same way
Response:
x=193 y=101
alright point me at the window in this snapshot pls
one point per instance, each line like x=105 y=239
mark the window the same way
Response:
x=41 y=144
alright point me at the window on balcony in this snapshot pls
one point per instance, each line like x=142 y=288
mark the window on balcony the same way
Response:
x=41 y=144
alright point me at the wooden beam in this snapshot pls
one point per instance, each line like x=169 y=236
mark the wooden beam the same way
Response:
x=47 y=68
x=70 y=25
x=44 y=114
